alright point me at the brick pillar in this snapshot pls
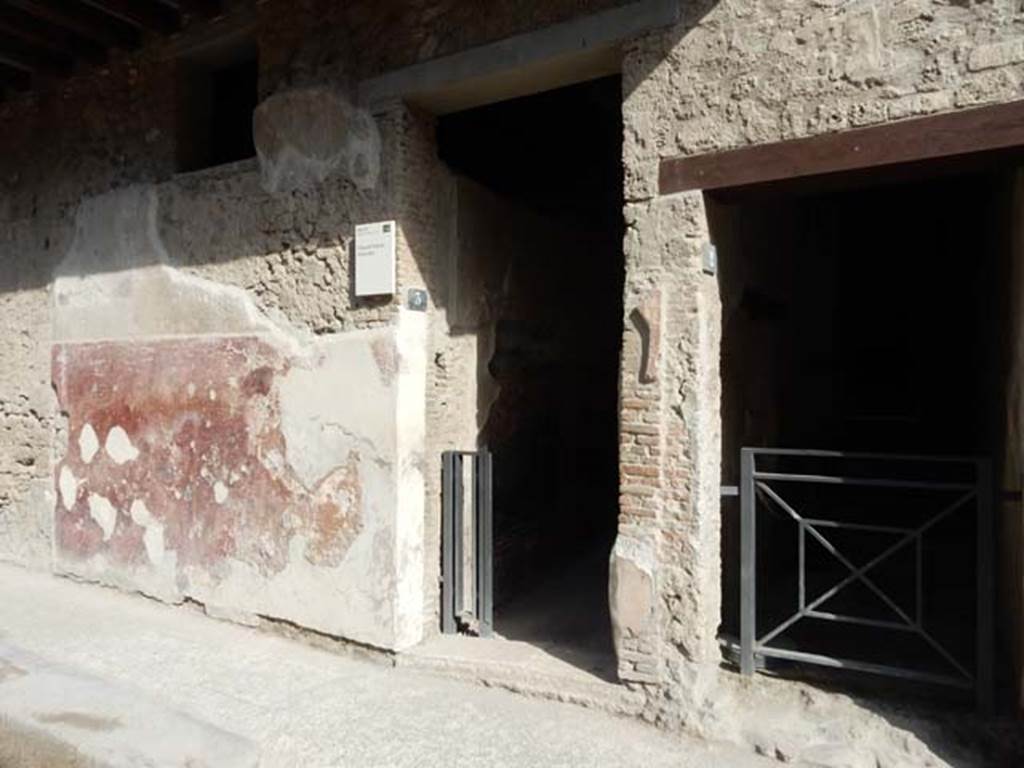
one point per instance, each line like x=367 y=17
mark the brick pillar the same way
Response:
x=633 y=588
x=665 y=575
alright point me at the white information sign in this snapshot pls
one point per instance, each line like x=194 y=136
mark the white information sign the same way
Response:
x=375 y=258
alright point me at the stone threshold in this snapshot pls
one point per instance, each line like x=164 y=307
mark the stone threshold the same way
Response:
x=523 y=668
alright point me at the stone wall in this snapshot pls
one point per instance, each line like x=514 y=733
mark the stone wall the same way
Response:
x=728 y=75
x=216 y=454
x=118 y=266
x=758 y=71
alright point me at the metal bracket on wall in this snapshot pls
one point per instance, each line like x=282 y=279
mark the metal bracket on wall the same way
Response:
x=417 y=300
x=454 y=617
x=709 y=260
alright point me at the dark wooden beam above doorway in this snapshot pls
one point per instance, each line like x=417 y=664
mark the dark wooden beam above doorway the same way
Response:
x=42 y=41
x=15 y=52
x=146 y=14
x=962 y=132
x=37 y=32
x=80 y=19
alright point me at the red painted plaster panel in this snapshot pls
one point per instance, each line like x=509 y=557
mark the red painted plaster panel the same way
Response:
x=210 y=472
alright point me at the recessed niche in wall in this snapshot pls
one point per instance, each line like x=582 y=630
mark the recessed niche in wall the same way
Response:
x=217 y=93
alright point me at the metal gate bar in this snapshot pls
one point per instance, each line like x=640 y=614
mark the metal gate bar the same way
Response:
x=453 y=545
x=757 y=483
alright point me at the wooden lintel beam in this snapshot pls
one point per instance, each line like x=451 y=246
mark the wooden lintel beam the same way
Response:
x=57 y=40
x=962 y=132
x=146 y=14
x=81 y=20
x=22 y=55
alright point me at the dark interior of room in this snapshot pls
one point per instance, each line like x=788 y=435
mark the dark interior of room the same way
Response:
x=217 y=94
x=557 y=332
x=864 y=314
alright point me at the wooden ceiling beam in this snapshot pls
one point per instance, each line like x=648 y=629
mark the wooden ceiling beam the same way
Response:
x=20 y=54
x=57 y=40
x=82 y=20
x=146 y=14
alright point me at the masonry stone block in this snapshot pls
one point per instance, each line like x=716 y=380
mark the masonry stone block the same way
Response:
x=632 y=598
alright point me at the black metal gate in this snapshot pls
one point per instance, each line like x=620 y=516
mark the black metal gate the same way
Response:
x=454 y=614
x=917 y=547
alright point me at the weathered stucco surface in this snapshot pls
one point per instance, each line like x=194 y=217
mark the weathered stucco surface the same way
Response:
x=330 y=411
x=297 y=139
x=728 y=75
x=214 y=454
x=744 y=72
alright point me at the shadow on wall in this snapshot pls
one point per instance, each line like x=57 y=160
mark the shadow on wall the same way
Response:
x=229 y=412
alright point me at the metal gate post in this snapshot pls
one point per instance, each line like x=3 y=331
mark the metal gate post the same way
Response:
x=448 y=463
x=453 y=608
x=484 y=542
x=909 y=540
x=983 y=652
x=459 y=528
x=748 y=563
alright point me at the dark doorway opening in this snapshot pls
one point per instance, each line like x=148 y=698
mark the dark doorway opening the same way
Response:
x=549 y=167
x=217 y=96
x=866 y=312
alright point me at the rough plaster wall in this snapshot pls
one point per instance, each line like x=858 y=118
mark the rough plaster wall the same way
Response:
x=110 y=127
x=304 y=40
x=305 y=135
x=670 y=446
x=218 y=455
x=83 y=137
x=291 y=250
x=425 y=209
x=396 y=33
x=288 y=250
x=732 y=74
x=27 y=419
x=754 y=71
x=27 y=414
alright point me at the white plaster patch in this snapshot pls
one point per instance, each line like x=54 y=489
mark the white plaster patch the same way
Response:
x=153 y=535
x=220 y=492
x=119 y=446
x=88 y=443
x=116 y=282
x=140 y=513
x=303 y=136
x=68 y=487
x=337 y=404
x=640 y=552
x=104 y=513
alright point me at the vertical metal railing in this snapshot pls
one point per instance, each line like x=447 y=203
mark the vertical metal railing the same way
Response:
x=454 y=615
x=760 y=484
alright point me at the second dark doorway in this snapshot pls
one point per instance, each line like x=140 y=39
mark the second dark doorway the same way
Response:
x=551 y=163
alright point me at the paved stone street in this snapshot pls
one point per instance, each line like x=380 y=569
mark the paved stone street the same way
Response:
x=127 y=679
